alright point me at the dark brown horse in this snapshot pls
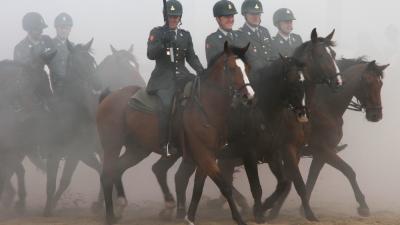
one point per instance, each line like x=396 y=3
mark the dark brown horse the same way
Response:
x=120 y=69
x=23 y=93
x=119 y=125
x=363 y=81
x=317 y=56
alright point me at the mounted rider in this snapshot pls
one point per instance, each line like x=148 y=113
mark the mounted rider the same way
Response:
x=170 y=47
x=224 y=12
x=35 y=51
x=261 y=52
x=63 y=24
x=285 y=41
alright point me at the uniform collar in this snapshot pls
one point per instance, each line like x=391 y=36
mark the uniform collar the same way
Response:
x=254 y=29
x=60 y=40
x=224 y=32
x=33 y=42
x=286 y=38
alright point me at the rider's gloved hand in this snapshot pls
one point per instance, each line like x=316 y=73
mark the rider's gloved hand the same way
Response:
x=169 y=37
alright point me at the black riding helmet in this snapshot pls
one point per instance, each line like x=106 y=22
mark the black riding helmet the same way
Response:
x=63 y=19
x=252 y=7
x=33 y=21
x=174 y=8
x=224 y=8
x=283 y=14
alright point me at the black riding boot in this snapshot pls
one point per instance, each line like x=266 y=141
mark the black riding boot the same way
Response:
x=164 y=135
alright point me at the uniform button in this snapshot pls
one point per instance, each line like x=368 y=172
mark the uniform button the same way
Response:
x=266 y=52
x=263 y=46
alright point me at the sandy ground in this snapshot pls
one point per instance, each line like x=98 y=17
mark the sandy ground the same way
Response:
x=147 y=214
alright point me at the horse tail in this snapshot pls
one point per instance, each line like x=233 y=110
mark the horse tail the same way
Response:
x=106 y=92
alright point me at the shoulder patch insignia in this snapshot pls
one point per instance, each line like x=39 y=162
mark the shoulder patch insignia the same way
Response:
x=208 y=46
x=151 y=38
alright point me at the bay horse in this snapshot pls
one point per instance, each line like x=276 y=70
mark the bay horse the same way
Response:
x=363 y=80
x=23 y=92
x=120 y=69
x=119 y=125
x=318 y=59
x=69 y=130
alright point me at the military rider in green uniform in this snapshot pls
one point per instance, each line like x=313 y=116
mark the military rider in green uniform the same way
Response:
x=285 y=41
x=224 y=12
x=63 y=24
x=261 y=52
x=170 y=47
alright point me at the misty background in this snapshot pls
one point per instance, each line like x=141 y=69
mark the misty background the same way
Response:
x=368 y=28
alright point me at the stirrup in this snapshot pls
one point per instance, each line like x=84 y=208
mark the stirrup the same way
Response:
x=169 y=150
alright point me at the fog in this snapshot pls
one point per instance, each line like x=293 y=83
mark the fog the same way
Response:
x=362 y=28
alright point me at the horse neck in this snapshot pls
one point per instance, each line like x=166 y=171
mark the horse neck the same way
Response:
x=270 y=88
x=342 y=98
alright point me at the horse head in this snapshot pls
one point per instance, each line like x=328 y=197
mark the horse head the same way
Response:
x=294 y=91
x=318 y=57
x=230 y=71
x=369 y=91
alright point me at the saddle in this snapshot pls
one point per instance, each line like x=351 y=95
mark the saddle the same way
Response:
x=146 y=103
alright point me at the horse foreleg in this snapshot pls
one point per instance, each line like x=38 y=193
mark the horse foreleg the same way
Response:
x=316 y=166
x=7 y=198
x=160 y=169
x=335 y=161
x=71 y=163
x=130 y=158
x=182 y=176
x=291 y=162
x=20 y=205
x=250 y=165
x=200 y=178
x=276 y=199
x=52 y=169
x=92 y=161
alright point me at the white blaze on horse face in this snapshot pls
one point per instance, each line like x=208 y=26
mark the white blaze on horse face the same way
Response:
x=338 y=77
x=302 y=79
x=246 y=80
x=133 y=64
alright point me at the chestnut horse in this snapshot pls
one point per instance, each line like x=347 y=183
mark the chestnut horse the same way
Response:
x=119 y=125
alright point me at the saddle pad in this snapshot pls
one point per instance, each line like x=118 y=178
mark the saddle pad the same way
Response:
x=144 y=102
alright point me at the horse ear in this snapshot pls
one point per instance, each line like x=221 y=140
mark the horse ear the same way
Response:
x=113 y=50
x=131 y=49
x=88 y=46
x=330 y=36
x=372 y=65
x=70 y=47
x=227 y=49
x=384 y=67
x=314 y=35
x=244 y=50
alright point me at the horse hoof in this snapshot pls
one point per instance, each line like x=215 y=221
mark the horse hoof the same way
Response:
x=111 y=220
x=96 y=207
x=120 y=206
x=260 y=219
x=188 y=222
x=20 y=207
x=364 y=211
x=312 y=218
x=166 y=214
x=180 y=213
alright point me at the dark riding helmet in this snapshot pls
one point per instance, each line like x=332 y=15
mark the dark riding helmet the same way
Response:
x=174 y=8
x=224 y=8
x=283 y=14
x=33 y=21
x=63 y=19
x=252 y=7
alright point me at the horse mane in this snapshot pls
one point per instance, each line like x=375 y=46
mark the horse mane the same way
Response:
x=345 y=63
x=299 y=52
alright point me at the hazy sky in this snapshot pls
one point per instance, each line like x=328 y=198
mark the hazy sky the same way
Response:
x=361 y=26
